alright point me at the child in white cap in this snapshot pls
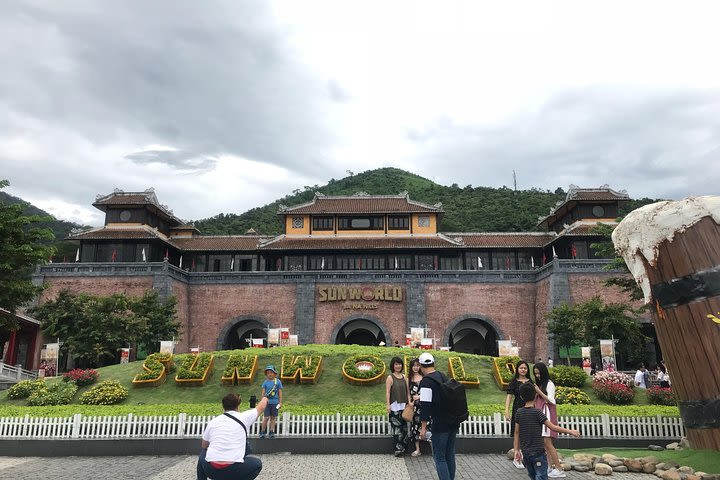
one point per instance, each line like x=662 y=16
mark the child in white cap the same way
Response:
x=272 y=390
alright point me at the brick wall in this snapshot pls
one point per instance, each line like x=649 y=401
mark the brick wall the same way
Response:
x=542 y=306
x=328 y=315
x=132 y=286
x=212 y=307
x=510 y=306
x=181 y=292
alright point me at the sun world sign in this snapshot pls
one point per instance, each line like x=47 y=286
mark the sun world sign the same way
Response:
x=360 y=298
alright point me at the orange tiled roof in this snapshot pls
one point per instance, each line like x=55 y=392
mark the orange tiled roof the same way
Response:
x=503 y=240
x=351 y=243
x=576 y=194
x=244 y=242
x=119 y=233
x=361 y=203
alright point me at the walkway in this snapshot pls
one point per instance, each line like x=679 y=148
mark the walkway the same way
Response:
x=276 y=466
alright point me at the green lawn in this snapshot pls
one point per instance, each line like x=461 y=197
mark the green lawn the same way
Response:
x=331 y=394
x=707 y=461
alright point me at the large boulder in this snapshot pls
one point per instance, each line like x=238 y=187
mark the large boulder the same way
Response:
x=603 y=469
x=634 y=465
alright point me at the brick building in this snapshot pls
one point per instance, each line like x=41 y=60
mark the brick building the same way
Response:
x=356 y=269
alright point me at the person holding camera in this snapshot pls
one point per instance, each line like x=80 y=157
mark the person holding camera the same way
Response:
x=225 y=451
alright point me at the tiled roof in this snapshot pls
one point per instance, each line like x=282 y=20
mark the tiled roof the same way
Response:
x=119 y=233
x=583 y=228
x=503 y=240
x=576 y=194
x=119 y=198
x=360 y=203
x=352 y=242
x=245 y=242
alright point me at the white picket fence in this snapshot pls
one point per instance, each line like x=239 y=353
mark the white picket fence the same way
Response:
x=290 y=425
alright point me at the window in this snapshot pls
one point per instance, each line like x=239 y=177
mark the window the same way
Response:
x=398 y=222
x=423 y=221
x=361 y=223
x=426 y=262
x=295 y=264
x=321 y=262
x=477 y=260
x=503 y=260
x=322 y=223
x=449 y=263
x=401 y=262
x=298 y=222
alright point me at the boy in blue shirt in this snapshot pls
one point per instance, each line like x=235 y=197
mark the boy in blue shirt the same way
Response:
x=272 y=389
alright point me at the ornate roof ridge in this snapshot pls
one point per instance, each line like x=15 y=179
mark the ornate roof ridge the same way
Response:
x=574 y=190
x=359 y=196
x=477 y=234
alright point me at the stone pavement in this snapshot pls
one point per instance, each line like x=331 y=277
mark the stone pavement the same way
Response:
x=275 y=466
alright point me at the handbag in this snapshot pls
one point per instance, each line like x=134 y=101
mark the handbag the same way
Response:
x=407 y=413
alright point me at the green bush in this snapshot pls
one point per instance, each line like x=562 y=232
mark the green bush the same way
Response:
x=154 y=366
x=55 y=394
x=571 y=396
x=24 y=389
x=108 y=392
x=660 y=396
x=242 y=363
x=459 y=368
x=564 y=376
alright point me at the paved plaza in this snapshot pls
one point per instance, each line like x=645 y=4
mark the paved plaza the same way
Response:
x=275 y=466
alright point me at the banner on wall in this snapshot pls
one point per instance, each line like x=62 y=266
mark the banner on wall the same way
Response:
x=195 y=350
x=284 y=334
x=273 y=336
x=124 y=355
x=607 y=354
x=408 y=340
x=426 y=343
x=167 y=346
x=416 y=336
x=505 y=348
x=258 y=343
x=292 y=340
x=585 y=352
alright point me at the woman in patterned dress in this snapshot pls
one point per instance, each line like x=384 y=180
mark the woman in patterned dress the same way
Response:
x=414 y=378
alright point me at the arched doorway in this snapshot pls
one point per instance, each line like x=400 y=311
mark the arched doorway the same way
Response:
x=238 y=332
x=360 y=331
x=474 y=335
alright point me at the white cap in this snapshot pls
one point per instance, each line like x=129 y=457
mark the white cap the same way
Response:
x=426 y=359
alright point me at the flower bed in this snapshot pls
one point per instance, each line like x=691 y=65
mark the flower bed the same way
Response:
x=504 y=370
x=156 y=367
x=571 y=396
x=239 y=369
x=195 y=370
x=615 y=393
x=108 y=392
x=81 y=377
x=363 y=370
x=661 y=396
x=457 y=371
x=300 y=368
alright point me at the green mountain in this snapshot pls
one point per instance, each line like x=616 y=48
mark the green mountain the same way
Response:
x=467 y=209
x=60 y=228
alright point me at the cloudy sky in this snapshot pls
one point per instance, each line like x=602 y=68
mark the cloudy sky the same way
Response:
x=224 y=106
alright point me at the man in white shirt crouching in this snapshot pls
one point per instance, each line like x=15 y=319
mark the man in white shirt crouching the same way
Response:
x=224 y=443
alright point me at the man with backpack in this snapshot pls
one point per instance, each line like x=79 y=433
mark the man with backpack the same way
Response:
x=444 y=405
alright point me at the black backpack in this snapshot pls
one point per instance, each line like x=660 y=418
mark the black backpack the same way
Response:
x=453 y=409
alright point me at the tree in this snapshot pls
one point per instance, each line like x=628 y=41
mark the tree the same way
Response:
x=21 y=249
x=565 y=325
x=93 y=328
x=588 y=322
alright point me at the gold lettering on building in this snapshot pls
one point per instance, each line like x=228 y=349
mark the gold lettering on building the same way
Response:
x=390 y=293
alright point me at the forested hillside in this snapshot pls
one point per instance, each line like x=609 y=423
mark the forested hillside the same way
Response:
x=467 y=209
x=61 y=228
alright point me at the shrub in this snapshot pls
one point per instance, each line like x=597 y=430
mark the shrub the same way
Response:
x=242 y=364
x=378 y=366
x=193 y=367
x=615 y=393
x=564 y=376
x=661 y=396
x=24 y=389
x=571 y=396
x=108 y=392
x=81 y=377
x=458 y=369
x=154 y=366
x=55 y=394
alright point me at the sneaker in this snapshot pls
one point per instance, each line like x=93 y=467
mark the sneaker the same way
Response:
x=518 y=464
x=399 y=453
x=262 y=434
x=271 y=434
x=556 y=473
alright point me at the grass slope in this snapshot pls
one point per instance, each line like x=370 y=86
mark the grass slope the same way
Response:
x=330 y=395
